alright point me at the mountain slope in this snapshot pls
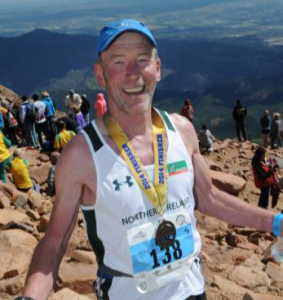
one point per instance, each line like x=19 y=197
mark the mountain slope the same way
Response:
x=40 y=58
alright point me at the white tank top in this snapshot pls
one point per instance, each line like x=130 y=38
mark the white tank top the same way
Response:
x=121 y=205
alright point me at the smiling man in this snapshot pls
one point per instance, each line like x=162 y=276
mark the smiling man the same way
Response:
x=137 y=174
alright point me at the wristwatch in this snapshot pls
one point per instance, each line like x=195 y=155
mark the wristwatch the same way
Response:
x=24 y=298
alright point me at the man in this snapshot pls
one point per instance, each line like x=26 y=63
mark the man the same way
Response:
x=145 y=238
x=205 y=138
x=49 y=113
x=71 y=124
x=72 y=100
x=41 y=125
x=239 y=115
x=63 y=137
x=27 y=117
x=19 y=170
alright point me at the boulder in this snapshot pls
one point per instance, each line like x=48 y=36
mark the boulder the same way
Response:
x=274 y=271
x=86 y=257
x=33 y=215
x=12 y=286
x=44 y=220
x=77 y=277
x=227 y=182
x=254 y=263
x=10 y=215
x=40 y=173
x=5 y=261
x=43 y=157
x=34 y=199
x=249 y=278
x=228 y=286
x=20 y=262
x=7 y=96
x=67 y=294
x=4 y=200
x=17 y=237
x=45 y=207
x=252 y=296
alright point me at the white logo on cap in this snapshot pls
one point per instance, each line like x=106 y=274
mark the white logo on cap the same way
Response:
x=124 y=24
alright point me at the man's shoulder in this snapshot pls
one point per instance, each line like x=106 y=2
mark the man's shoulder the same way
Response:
x=180 y=121
x=76 y=145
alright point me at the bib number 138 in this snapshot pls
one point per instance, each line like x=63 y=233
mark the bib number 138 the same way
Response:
x=170 y=254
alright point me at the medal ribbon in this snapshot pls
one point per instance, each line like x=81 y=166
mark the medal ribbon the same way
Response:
x=158 y=194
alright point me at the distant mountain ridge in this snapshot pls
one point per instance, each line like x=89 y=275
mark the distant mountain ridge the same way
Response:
x=212 y=73
x=39 y=58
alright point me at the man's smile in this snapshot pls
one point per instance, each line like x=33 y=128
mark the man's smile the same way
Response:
x=134 y=90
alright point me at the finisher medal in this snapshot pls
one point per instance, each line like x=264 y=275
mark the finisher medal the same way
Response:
x=165 y=234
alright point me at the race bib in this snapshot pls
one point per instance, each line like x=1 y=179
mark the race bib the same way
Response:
x=154 y=267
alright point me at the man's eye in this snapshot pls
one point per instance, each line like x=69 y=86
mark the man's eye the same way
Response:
x=118 y=62
x=143 y=59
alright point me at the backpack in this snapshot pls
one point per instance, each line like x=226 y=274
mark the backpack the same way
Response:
x=47 y=110
x=30 y=113
x=241 y=112
x=12 y=120
x=265 y=122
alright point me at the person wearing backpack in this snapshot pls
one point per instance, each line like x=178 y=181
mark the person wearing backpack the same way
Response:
x=239 y=115
x=40 y=119
x=265 y=123
x=11 y=125
x=85 y=108
x=264 y=172
x=49 y=113
x=27 y=116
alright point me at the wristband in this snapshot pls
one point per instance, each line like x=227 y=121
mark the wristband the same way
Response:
x=276 y=226
x=24 y=298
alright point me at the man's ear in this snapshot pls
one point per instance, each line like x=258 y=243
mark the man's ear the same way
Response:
x=158 y=69
x=98 y=72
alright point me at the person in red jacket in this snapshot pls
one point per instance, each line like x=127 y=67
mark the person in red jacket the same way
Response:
x=187 y=110
x=264 y=177
x=100 y=105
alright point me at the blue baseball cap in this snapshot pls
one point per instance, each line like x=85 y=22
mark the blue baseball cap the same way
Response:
x=110 y=32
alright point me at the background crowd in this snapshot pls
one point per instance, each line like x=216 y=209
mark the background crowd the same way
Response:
x=35 y=124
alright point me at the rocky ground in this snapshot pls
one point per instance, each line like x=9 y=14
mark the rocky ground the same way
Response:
x=236 y=261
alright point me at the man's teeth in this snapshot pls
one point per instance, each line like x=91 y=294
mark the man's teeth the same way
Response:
x=134 y=90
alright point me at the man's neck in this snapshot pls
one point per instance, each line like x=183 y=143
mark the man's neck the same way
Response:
x=134 y=125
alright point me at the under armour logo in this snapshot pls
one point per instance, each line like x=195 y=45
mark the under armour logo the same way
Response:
x=119 y=184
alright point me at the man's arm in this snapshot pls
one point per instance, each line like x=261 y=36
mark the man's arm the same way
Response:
x=211 y=200
x=71 y=180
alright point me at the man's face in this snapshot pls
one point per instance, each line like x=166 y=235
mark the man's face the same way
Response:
x=129 y=70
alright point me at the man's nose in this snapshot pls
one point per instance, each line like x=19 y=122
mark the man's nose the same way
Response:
x=133 y=69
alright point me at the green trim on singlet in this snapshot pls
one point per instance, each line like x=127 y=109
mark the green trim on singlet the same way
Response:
x=93 y=136
x=166 y=120
x=91 y=230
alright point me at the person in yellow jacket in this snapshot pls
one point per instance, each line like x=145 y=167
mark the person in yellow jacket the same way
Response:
x=63 y=137
x=5 y=156
x=19 y=171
